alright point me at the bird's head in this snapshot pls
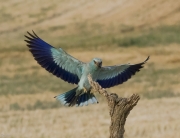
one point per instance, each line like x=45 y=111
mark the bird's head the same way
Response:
x=97 y=62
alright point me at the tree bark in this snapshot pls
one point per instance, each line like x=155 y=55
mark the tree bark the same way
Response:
x=119 y=109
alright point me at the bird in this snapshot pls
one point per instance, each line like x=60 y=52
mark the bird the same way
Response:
x=74 y=71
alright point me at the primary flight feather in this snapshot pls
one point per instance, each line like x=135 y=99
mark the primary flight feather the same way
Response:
x=70 y=69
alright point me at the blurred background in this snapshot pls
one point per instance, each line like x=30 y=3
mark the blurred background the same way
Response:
x=117 y=31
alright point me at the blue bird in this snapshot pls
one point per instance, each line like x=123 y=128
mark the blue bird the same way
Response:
x=70 y=69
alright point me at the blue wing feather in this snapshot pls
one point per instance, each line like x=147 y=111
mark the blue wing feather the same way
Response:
x=114 y=75
x=54 y=60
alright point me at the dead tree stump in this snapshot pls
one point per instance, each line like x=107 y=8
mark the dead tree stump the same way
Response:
x=119 y=109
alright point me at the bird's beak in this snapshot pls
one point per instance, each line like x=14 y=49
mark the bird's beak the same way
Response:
x=99 y=64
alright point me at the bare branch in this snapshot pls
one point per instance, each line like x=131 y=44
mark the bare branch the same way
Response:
x=119 y=108
x=97 y=87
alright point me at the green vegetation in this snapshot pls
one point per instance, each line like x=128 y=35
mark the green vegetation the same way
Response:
x=26 y=84
x=159 y=94
x=162 y=35
x=157 y=36
x=94 y=35
x=37 y=105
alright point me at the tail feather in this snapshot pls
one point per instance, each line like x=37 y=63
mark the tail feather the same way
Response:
x=63 y=97
x=90 y=101
x=89 y=98
x=66 y=97
x=94 y=99
x=86 y=99
x=70 y=98
x=73 y=101
x=78 y=102
x=82 y=100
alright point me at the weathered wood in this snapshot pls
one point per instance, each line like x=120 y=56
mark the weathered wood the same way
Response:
x=119 y=109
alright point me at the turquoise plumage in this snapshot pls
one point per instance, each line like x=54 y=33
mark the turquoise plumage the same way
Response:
x=70 y=69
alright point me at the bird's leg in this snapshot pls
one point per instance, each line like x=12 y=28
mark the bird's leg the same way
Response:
x=85 y=89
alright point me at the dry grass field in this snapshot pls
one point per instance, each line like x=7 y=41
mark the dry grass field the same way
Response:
x=149 y=119
x=118 y=31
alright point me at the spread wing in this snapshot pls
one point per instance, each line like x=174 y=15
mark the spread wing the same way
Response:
x=56 y=61
x=110 y=76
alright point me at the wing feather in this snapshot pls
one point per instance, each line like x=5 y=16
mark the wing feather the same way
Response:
x=113 y=75
x=56 y=61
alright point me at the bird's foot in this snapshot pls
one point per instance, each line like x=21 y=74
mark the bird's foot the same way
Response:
x=85 y=89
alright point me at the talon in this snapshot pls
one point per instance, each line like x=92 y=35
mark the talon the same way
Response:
x=84 y=89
